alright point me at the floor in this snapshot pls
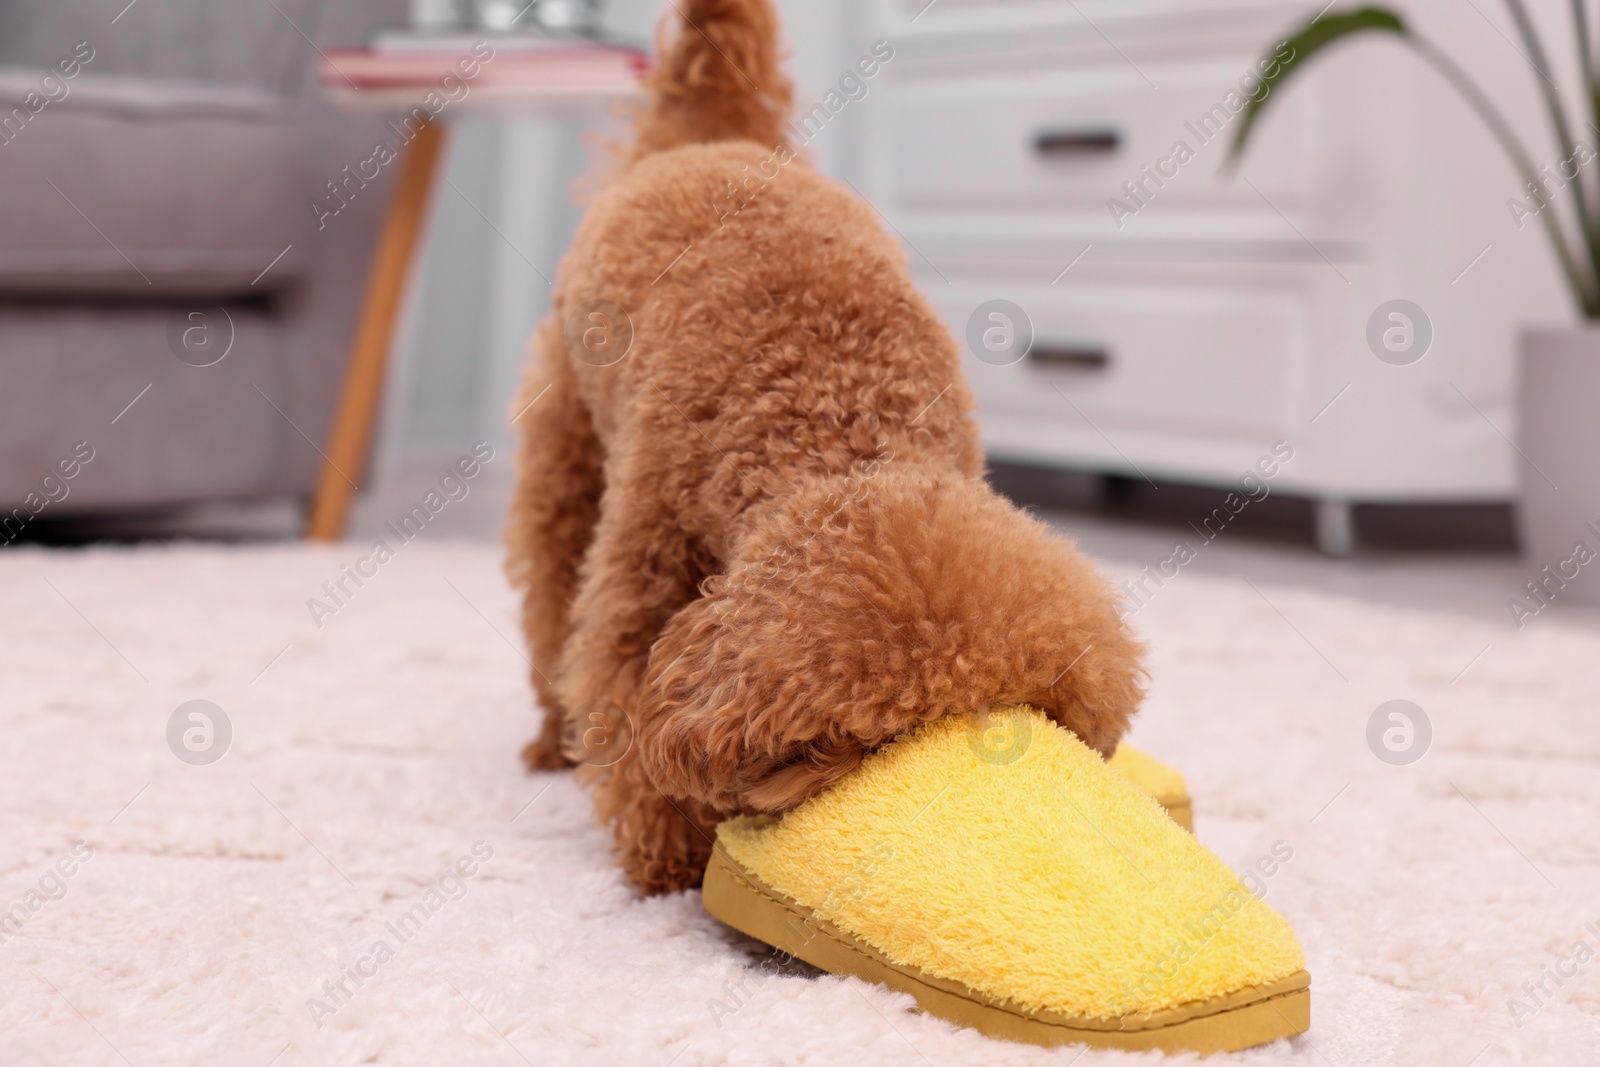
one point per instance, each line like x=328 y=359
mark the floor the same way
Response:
x=181 y=911
x=375 y=741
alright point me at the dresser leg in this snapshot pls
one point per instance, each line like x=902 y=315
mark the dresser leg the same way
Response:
x=1336 y=527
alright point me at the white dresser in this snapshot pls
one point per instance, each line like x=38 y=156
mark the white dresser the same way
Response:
x=1178 y=337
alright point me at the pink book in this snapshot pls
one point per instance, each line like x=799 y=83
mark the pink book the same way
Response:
x=559 y=66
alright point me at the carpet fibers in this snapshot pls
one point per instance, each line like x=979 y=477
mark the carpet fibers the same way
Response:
x=368 y=876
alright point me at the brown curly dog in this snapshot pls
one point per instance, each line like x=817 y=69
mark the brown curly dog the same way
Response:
x=751 y=512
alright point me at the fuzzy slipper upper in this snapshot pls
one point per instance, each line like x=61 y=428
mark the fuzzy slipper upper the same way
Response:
x=1019 y=865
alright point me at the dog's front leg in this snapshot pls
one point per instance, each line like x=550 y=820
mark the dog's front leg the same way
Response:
x=641 y=570
x=852 y=615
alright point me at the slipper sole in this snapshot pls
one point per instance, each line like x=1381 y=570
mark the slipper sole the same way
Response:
x=1180 y=809
x=1165 y=785
x=1243 y=1019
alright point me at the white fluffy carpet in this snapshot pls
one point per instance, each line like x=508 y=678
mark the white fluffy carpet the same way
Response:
x=375 y=752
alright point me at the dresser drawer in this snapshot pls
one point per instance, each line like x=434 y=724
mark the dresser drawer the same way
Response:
x=945 y=15
x=1201 y=361
x=1069 y=140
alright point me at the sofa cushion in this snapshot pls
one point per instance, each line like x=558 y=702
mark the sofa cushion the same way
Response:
x=259 y=43
x=129 y=186
x=163 y=430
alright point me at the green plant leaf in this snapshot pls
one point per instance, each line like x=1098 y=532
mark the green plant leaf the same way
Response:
x=1306 y=42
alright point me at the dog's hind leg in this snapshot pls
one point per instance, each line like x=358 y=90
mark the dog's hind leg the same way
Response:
x=551 y=524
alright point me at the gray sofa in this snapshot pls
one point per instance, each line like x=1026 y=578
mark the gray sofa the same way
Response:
x=158 y=161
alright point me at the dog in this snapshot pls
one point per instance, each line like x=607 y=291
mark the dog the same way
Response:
x=751 y=532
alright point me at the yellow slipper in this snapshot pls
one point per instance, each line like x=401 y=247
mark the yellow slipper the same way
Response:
x=1157 y=779
x=948 y=874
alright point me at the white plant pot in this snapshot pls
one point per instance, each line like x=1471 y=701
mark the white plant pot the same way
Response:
x=1558 y=511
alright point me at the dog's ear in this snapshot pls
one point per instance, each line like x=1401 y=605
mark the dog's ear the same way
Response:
x=860 y=608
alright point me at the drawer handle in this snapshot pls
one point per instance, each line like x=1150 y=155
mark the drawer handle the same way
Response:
x=1070 y=357
x=1076 y=144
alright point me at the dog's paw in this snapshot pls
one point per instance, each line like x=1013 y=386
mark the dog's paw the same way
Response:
x=541 y=755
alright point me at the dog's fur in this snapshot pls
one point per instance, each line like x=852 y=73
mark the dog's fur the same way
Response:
x=764 y=533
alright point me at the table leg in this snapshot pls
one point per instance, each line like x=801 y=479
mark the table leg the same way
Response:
x=1336 y=527
x=349 y=439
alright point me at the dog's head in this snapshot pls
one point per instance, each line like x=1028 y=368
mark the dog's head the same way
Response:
x=861 y=607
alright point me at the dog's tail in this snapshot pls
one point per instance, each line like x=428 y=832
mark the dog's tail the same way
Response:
x=717 y=78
